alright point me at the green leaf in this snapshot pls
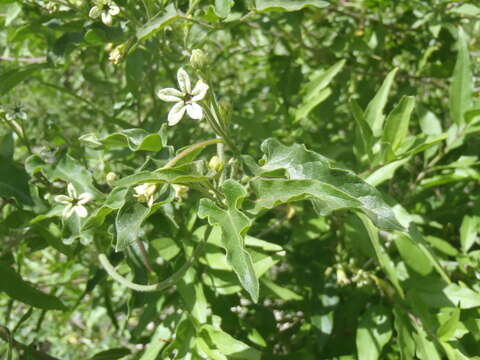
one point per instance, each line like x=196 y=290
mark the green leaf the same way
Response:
x=413 y=256
x=111 y=354
x=10 y=79
x=373 y=333
x=12 y=11
x=128 y=223
x=468 y=232
x=187 y=173
x=466 y=9
x=134 y=139
x=383 y=258
x=374 y=112
x=425 y=349
x=365 y=135
x=114 y=201
x=223 y=7
x=234 y=225
x=386 y=172
x=404 y=331
x=160 y=338
x=67 y=169
x=14 y=182
x=158 y=23
x=7 y=146
x=17 y=288
x=280 y=292
x=191 y=290
x=396 y=125
x=288 y=5
x=461 y=89
x=311 y=176
x=227 y=345
x=447 y=330
x=315 y=91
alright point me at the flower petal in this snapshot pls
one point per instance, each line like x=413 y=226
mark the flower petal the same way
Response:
x=84 y=198
x=199 y=91
x=170 y=95
x=71 y=191
x=114 y=10
x=184 y=81
x=68 y=211
x=95 y=12
x=63 y=199
x=176 y=113
x=194 y=111
x=81 y=211
x=107 y=18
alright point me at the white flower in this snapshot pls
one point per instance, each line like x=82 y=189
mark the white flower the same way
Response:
x=107 y=9
x=180 y=191
x=115 y=56
x=186 y=99
x=73 y=202
x=145 y=193
x=15 y=112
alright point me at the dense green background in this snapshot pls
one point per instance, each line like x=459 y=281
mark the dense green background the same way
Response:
x=386 y=89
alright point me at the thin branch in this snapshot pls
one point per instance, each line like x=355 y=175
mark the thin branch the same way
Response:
x=5 y=335
x=34 y=60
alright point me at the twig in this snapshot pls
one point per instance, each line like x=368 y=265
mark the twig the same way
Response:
x=5 y=335
x=34 y=60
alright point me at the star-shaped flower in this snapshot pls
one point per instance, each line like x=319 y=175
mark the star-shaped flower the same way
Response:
x=107 y=9
x=73 y=202
x=145 y=193
x=186 y=99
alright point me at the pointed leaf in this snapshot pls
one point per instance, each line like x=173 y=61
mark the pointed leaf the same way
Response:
x=312 y=176
x=234 y=225
x=288 y=5
x=396 y=126
x=15 y=287
x=134 y=139
x=461 y=88
x=374 y=112
x=373 y=333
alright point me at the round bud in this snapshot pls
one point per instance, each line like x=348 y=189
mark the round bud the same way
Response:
x=198 y=60
x=111 y=178
x=216 y=164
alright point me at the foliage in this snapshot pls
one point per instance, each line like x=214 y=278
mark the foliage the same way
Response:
x=317 y=198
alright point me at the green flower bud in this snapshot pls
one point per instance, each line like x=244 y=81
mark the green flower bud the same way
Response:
x=198 y=60
x=216 y=164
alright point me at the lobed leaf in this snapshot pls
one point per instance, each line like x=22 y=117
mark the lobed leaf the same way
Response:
x=234 y=225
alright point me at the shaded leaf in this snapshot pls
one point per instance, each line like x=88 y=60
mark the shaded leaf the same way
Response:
x=396 y=125
x=373 y=333
x=111 y=354
x=158 y=23
x=15 y=287
x=14 y=181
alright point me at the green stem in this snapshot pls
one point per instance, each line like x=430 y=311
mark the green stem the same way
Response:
x=154 y=287
x=191 y=149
